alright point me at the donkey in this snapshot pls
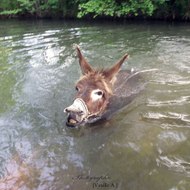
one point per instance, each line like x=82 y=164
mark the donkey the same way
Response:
x=101 y=92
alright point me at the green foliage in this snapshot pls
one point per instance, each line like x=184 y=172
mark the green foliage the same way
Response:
x=118 y=8
x=38 y=8
x=11 y=12
x=174 y=9
x=92 y=8
x=26 y=6
x=97 y=7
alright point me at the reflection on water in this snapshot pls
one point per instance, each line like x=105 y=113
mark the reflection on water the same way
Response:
x=145 y=146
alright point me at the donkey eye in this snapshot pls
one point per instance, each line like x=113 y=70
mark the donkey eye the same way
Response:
x=76 y=88
x=99 y=93
x=96 y=94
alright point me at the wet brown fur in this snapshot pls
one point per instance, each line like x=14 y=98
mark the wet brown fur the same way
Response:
x=91 y=81
x=98 y=79
x=94 y=79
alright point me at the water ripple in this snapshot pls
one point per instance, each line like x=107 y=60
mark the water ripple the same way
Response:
x=175 y=164
x=175 y=102
x=38 y=69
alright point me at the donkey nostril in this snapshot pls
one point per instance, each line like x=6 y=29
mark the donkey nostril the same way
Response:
x=81 y=113
x=65 y=110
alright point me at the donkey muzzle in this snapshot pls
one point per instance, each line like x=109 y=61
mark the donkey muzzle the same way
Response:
x=77 y=112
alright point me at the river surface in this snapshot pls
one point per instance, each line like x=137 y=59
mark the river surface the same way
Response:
x=146 y=146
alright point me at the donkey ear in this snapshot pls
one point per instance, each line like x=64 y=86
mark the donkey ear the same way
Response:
x=84 y=65
x=110 y=73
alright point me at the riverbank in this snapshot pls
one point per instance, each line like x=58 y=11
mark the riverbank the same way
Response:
x=89 y=9
x=97 y=19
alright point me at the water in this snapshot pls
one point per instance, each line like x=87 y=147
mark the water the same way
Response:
x=144 y=147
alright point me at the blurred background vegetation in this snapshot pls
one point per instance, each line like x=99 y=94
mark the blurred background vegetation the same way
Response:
x=154 y=9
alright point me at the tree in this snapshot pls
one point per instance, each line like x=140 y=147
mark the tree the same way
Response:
x=164 y=9
x=119 y=8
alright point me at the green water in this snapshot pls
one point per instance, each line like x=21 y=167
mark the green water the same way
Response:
x=145 y=146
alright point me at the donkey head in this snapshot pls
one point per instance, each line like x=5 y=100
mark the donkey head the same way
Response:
x=94 y=89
